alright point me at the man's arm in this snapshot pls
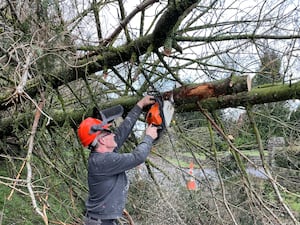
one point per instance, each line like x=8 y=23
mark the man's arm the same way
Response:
x=123 y=131
x=118 y=163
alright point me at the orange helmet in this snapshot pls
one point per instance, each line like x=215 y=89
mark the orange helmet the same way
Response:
x=89 y=129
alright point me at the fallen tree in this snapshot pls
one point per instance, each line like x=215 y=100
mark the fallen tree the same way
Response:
x=44 y=53
x=102 y=57
x=230 y=92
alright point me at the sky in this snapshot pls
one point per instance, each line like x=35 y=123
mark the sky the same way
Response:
x=234 y=11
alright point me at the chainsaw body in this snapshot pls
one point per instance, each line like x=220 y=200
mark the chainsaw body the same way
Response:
x=154 y=116
x=160 y=114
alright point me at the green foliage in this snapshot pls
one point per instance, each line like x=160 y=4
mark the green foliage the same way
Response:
x=269 y=71
x=58 y=179
x=17 y=210
x=220 y=145
x=238 y=196
x=63 y=205
x=288 y=158
x=228 y=166
x=295 y=115
x=272 y=119
x=292 y=200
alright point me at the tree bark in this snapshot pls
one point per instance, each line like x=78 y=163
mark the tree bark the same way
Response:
x=256 y=96
x=231 y=92
x=197 y=92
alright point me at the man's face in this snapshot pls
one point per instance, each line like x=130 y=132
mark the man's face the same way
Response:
x=108 y=139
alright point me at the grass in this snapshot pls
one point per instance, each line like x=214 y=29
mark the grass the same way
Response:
x=19 y=210
x=293 y=201
x=254 y=153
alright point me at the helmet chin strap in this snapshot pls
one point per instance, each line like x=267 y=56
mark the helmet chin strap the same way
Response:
x=93 y=144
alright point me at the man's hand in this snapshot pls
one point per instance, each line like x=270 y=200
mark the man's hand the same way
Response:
x=152 y=131
x=147 y=100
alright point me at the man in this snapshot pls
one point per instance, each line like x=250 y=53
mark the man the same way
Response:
x=107 y=180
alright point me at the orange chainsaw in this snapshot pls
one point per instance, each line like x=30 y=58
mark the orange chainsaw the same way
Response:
x=160 y=113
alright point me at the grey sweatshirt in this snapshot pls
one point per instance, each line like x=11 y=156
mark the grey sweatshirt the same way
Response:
x=107 y=180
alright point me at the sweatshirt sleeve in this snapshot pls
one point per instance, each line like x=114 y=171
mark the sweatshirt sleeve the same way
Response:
x=122 y=162
x=123 y=131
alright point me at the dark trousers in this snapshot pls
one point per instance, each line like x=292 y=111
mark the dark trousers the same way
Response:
x=93 y=221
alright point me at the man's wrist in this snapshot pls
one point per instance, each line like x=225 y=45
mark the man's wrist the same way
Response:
x=140 y=104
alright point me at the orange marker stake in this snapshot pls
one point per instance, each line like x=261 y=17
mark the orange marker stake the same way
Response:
x=191 y=183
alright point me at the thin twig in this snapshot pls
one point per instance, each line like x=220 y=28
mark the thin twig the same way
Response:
x=266 y=168
x=28 y=161
x=128 y=217
x=16 y=181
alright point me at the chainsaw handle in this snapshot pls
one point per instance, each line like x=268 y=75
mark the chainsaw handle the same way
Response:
x=159 y=127
x=152 y=131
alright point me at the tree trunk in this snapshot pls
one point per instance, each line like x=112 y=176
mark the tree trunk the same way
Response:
x=256 y=96
x=231 y=92
x=197 y=92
